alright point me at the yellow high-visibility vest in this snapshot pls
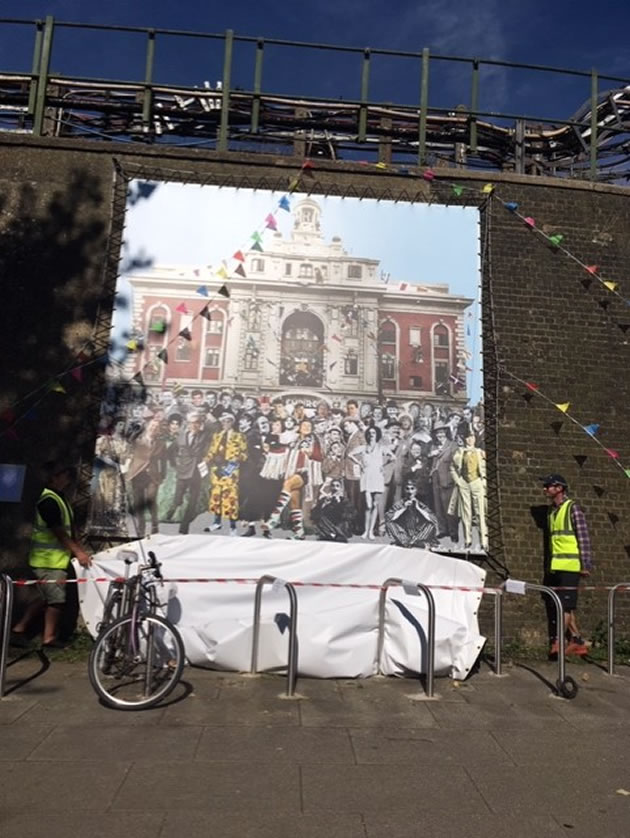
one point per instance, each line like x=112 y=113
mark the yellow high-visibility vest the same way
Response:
x=565 y=550
x=46 y=551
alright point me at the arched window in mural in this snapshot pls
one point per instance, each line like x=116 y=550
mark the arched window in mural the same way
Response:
x=441 y=360
x=301 y=362
x=388 y=343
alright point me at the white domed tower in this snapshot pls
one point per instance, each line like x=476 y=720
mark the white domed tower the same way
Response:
x=306 y=221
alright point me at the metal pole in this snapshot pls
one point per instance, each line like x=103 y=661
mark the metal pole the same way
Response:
x=6 y=592
x=498 y=629
x=293 y=641
x=612 y=595
x=424 y=106
x=42 y=81
x=260 y=45
x=543 y=589
x=222 y=140
x=594 y=122
x=430 y=663
x=148 y=78
x=365 y=82
x=37 y=57
x=474 y=105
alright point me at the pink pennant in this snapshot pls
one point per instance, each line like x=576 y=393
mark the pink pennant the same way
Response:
x=337 y=338
x=592 y=269
x=77 y=374
x=182 y=308
x=531 y=386
x=612 y=453
x=270 y=222
x=196 y=272
x=428 y=174
x=529 y=221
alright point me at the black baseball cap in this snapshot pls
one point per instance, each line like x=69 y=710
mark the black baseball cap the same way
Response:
x=554 y=480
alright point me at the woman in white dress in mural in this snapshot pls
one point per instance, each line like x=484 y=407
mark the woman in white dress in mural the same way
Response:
x=371 y=459
x=108 y=514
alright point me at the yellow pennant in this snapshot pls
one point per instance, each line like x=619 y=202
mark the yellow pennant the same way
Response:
x=132 y=345
x=222 y=273
x=57 y=387
x=381 y=165
x=564 y=406
x=612 y=286
x=293 y=184
x=488 y=189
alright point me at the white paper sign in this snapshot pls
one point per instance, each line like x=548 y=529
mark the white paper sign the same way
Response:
x=203 y=468
x=410 y=588
x=278 y=584
x=515 y=586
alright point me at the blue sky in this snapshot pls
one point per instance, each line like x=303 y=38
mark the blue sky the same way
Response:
x=569 y=34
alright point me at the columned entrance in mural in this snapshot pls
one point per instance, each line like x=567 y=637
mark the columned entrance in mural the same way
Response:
x=302 y=350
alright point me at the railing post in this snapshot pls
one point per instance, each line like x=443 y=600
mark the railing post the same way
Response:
x=365 y=83
x=222 y=140
x=594 y=122
x=497 y=593
x=147 y=101
x=424 y=106
x=293 y=649
x=474 y=105
x=42 y=80
x=430 y=661
x=6 y=610
x=37 y=57
x=260 y=46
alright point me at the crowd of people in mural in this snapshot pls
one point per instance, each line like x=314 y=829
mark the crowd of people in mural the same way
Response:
x=336 y=469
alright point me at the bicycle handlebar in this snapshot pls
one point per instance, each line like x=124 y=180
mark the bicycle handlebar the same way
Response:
x=155 y=565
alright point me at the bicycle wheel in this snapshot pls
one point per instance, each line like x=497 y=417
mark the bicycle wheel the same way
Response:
x=135 y=663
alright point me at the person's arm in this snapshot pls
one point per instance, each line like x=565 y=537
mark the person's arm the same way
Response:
x=72 y=546
x=583 y=538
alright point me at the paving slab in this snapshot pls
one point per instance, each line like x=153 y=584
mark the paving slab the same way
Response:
x=19 y=741
x=235 y=709
x=455 y=824
x=81 y=824
x=425 y=748
x=267 y=825
x=578 y=747
x=276 y=744
x=213 y=786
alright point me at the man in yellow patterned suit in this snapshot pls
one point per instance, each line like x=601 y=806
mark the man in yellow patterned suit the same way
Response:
x=468 y=470
x=227 y=451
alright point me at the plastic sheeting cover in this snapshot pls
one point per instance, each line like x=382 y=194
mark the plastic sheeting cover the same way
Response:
x=337 y=627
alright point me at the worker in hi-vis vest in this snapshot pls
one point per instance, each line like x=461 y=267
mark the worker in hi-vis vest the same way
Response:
x=570 y=557
x=53 y=545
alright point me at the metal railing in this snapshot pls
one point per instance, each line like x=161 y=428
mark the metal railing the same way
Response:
x=429 y=659
x=592 y=143
x=612 y=596
x=497 y=593
x=6 y=610
x=292 y=665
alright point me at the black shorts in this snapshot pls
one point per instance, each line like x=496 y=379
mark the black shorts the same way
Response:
x=564 y=579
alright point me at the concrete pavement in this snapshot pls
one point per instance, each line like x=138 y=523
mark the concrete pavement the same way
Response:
x=227 y=756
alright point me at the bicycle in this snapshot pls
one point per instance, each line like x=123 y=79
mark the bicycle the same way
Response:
x=138 y=656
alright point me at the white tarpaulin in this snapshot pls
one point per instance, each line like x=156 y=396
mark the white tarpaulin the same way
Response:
x=337 y=627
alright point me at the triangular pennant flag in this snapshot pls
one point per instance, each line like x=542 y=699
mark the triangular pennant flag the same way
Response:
x=163 y=355
x=529 y=221
x=205 y=313
x=556 y=239
x=222 y=273
x=380 y=165
x=224 y=291
x=626 y=547
x=138 y=378
x=592 y=429
x=284 y=204
x=556 y=427
x=563 y=406
x=580 y=459
x=528 y=397
x=612 y=286
x=256 y=237
x=614 y=519
x=586 y=283
x=488 y=189
x=270 y=222
x=185 y=333
x=403 y=171
x=624 y=327
x=599 y=491
x=458 y=190
x=77 y=373
x=428 y=174
x=182 y=308
x=202 y=291
x=531 y=386
x=592 y=269
x=257 y=246
x=626 y=471
x=293 y=183
x=603 y=304
x=196 y=272
x=612 y=453
x=307 y=164
x=512 y=206
x=157 y=326
x=56 y=387
x=240 y=270
x=238 y=256
x=132 y=345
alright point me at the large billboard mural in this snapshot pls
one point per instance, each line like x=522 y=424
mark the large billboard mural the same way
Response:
x=294 y=366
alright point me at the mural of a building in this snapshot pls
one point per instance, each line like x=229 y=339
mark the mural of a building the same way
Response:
x=304 y=314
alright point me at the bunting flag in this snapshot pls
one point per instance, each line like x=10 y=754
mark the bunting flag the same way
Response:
x=612 y=286
x=132 y=345
x=380 y=165
x=626 y=547
x=599 y=491
x=627 y=472
x=182 y=308
x=586 y=283
x=270 y=222
x=256 y=246
x=196 y=272
x=563 y=406
x=332 y=365
x=138 y=378
x=293 y=183
x=458 y=190
x=203 y=291
x=205 y=312
x=158 y=326
x=240 y=270
x=428 y=174
x=604 y=304
x=488 y=189
x=77 y=373
x=612 y=453
x=512 y=206
x=256 y=237
x=284 y=204
x=307 y=165
x=624 y=327
x=592 y=269
x=224 y=291
x=528 y=397
x=614 y=519
x=580 y=459
x=337 y=338
x=56 y=386
x=531 y=386
x=238 y=256
x=592 y=429
x=556 y=239
x=529 y=221
x=556 y=427
x=163 y=355
x=185 y=333
x=222 y=273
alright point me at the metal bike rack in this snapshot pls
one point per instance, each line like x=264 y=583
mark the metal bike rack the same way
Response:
x=566 y=687
x=6 y=609
x=612 y=595
x=293 y=647
x=497 y=593
x=430 y=663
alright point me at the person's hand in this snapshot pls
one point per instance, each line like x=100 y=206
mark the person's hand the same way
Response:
x=84 y=559
x=585 y=573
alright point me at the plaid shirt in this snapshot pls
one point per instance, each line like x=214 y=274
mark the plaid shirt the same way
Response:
x=583 y=538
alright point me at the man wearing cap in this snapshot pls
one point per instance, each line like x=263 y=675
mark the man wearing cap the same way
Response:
x=52 y=547
x=570 y=557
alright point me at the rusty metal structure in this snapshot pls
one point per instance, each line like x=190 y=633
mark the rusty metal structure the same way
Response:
x=593 y=143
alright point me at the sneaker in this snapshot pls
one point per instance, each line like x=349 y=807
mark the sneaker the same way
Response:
x=249 y=533
x=553 y=651
x=215 y=527
x=233 y=533
x=577 y=646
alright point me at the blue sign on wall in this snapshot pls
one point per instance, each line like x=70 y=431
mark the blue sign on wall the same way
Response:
x=11 y=482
